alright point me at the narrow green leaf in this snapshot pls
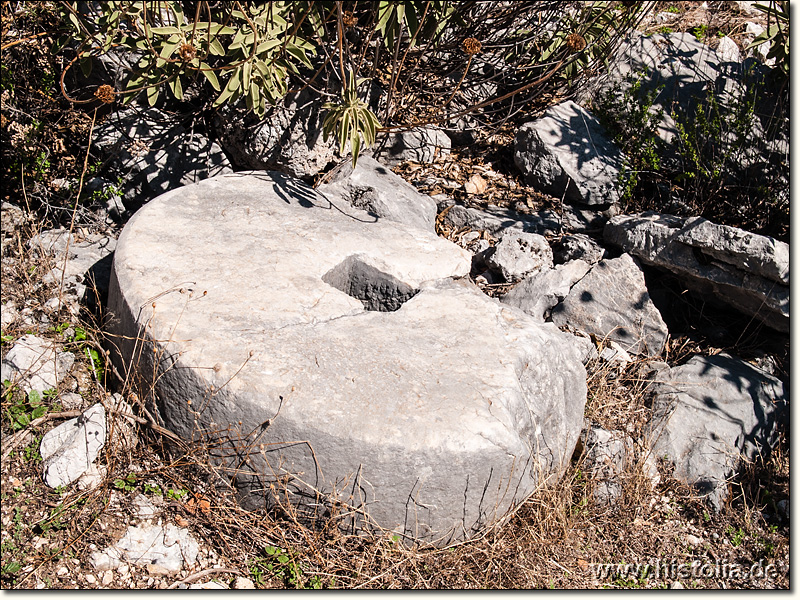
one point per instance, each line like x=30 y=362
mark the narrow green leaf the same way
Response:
x=267 y=45
x=169 y=30
x=298 y=54
x=176 y=88
x=211 y=76
x=216 y=48
x=152 y=94
x=86 y=65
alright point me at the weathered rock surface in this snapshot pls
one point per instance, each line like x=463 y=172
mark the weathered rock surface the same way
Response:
x=567 y=154
x=541 y=291
x=606 y=455
x=374 y=188
x=161 y=549
x=288 y=139
x=155 y=153
x=495 y=220
x=577 y=246
x=88 y=259
x=679 y=70
x=747 y=271
x=518 y=254
x=434 y=418
x=34 y=364
x=612 y=302
x=422 y=145
x=69 y=450
x=709 y=412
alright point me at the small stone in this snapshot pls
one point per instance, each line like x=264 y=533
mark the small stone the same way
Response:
x=209 y=585
x=693 y=540
x=92 y=478
x=69 y=449
x=676 y=585
x=108 y=577
x=62 y=571
x=71 y=401
x=90 y=579
x=783 y=508
x=123 y=569
x=475 y=185
x=243 y=583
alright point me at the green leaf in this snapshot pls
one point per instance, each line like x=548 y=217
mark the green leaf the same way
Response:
x=267 y=45
x=176 y=88
x=169 y=30
x=210 y=75
x=152 y=94
x=216 y=48
x=298 y=54
x=247 y=69
x=86 y=65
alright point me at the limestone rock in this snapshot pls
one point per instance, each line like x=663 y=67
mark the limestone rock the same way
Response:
x=746 y=271
x=541 y=291
x=495 y=220
x=34 y=364
x=156 y=153
x=346 y=349
x=577 y=246
x=612 y=302
x=709 y=412
x=566 y=153
x=518 y=254
x=167 y=548
x=605 y=460
x=374 y=188
x=69 y=450
x=421 y=145
x=88 y=263
x=728 y=51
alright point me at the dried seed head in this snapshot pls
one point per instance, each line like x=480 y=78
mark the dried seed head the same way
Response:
x=187 y=52
x=471 y=46
x=349 y=19
x=576 y=42
x=105 y=93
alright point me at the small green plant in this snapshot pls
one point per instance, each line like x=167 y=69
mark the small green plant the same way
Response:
x=280 y=564
x=128 y=484
x=630 y=117
x=31 y=451
x=176 y=494
x=80 y=338
x=700 y=32
x=23 y=408
x=351 y=119
x=737 y=535
x=153 y=489
x=776 y=33
x=673 y=9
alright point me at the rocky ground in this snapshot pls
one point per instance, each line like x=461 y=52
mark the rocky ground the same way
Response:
x=147 y=517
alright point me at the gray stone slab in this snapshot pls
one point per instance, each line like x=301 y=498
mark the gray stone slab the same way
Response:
x=567 y=154
x=374 y=188
x=729 y=265
x=612 y=302
x=710 y=412
x=430 y=413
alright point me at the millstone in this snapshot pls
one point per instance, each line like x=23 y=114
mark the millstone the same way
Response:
x=340 y=361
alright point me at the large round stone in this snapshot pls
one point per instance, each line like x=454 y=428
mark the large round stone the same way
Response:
x=338 y=360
